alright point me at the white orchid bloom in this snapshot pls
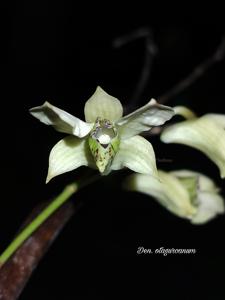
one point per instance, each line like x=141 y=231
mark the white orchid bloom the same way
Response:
x=185 y=193
x=106 y=140
x=206 y=134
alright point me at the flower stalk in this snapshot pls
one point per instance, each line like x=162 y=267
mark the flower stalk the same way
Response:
x=67 y=192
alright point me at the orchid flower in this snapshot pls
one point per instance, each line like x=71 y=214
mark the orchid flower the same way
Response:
x=206 y=134
x=185 y=193
x=106 y=141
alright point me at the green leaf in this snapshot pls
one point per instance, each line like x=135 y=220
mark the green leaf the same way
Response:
x=69 y=154
x=144 y=118
x=205 y=134
x=137 y=154
x=102 y=105
x=60 y=120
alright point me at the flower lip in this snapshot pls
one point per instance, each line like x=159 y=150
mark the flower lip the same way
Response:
x=103 y=131
x=103 y=143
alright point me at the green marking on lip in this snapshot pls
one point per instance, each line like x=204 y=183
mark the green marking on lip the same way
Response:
x=104 y=143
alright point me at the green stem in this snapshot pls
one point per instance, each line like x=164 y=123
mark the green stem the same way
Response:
x=68 y=191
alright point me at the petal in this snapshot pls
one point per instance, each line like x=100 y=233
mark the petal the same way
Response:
x=208 y=202
x=144 y=118
x=60 y=120
x=190 y=183
x=169 y=192
x=184 y=112
x=217 y=118
x=67 y=155
x=209 y=205
x=102 y=105
x=137 y=154
x=204 y=134
x=205 y=184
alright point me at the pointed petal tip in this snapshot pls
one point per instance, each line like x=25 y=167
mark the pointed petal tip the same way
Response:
x=46 y=103
x=100 y=89
x=222 y=174
x=48 y=178
x=152 y=101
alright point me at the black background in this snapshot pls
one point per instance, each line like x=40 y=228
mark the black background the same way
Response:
x=60 y=53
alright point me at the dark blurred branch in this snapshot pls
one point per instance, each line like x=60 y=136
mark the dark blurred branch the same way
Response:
x=150 y=52
x=195 y=74
x=23 y=254
x=18 y=269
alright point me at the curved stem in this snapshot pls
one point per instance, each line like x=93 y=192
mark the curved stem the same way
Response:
x=150 y=53
x=198 y=71
x=68 y=191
